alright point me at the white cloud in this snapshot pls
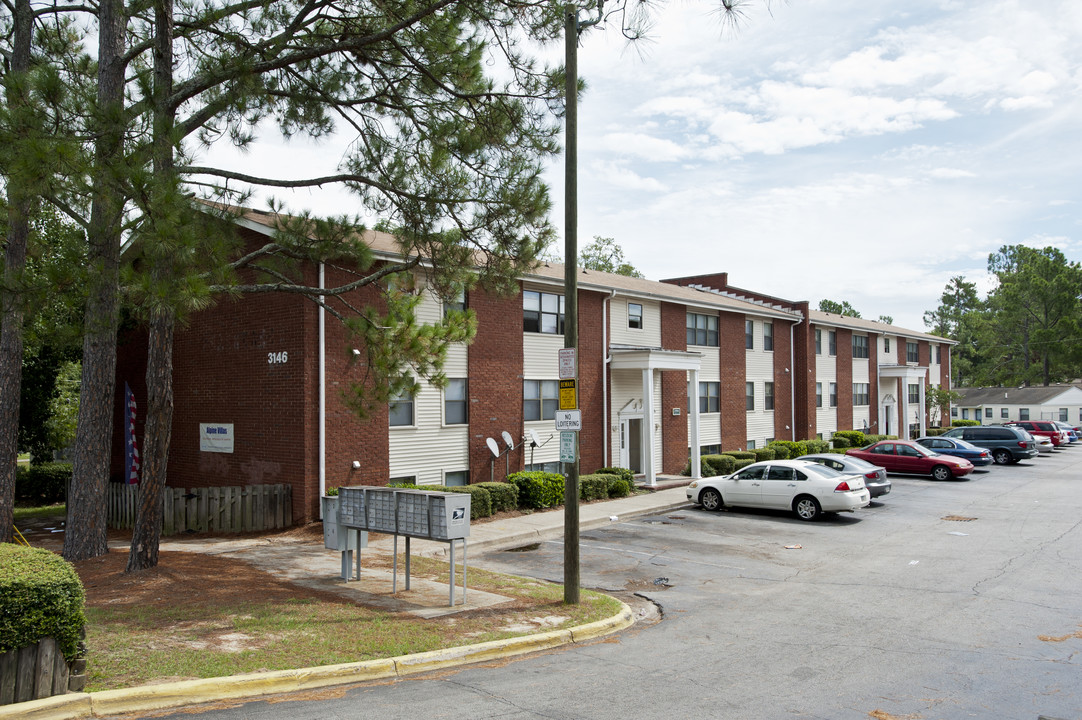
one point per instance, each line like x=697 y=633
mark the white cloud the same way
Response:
x=944 y=173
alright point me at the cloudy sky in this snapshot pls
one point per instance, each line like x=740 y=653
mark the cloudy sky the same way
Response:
x=859 y=150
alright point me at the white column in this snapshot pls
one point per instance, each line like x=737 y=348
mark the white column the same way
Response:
x=923 y=415
x=648 y=425
x=693 y=425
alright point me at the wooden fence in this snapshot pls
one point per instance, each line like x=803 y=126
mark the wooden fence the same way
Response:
x=38 y=671
x=244 y=508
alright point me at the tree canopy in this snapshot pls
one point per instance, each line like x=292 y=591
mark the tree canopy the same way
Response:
x=605 y=255
x=838 y=308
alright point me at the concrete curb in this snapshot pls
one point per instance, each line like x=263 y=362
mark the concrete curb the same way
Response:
x=254 y=685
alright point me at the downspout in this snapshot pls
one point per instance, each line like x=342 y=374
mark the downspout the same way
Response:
x=792 y=378
x=605 y=377
x=322 y=394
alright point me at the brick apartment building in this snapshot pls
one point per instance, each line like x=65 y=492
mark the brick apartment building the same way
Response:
x=663 y=367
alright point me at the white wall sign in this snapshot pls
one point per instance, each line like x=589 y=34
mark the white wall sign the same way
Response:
x=568 y=363
x=216 y=437
x=569 y=420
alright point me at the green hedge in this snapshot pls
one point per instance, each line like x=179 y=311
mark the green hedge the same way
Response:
x=719 y=464
x=44 y=484
x=743 y=463
x=480 y=498
x=595 y=487
x=504 y=495
x=40 y=596
x=964 y=423
x=620 y=486
x=840 y=442
x=855 y=437
x=622 y=473
x=740 y=454
x=538 y=490
x=762 y=454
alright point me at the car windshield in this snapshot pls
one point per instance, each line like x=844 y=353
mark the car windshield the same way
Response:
x=922 y=450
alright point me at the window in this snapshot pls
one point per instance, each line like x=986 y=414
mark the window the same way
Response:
x=914 y=393
x=1004 y=413
x=938 y=354
x=988 y=412
x=769 y=395
x=1023 y=414
x=634 y=316
x=749 y=334
x=912 y=354
x=749 y=396
x=455 y=402
x=954 y=412
x=860 y=393
x=709 y=393
x=860 y=346
x=549 y=467
x=403 y=480
x=456 y=479
x=1063 y=414
x=818 y=342
x=886 y=345
x=709 y=450
x=542 y=312
x=400 y=411
x=832 y=342
x=833 y=387
x=539 y=399
x=751 y=446
x=965 y=413
x=702 y=329
x=768 y=336
x=818 y=394
x=456 y=304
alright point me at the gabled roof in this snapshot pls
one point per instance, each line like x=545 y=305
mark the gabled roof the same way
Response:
x=1040 y=395
x=818 y=317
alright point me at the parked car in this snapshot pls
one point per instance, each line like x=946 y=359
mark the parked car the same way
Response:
x=803 y=487
x=1044 y=445
x=1072 y=433
x=958 y=448
x=875 y=477
x=1007 y=444
x=1041 y=427
x=906 y=456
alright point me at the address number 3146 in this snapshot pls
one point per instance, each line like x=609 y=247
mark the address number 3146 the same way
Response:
x=277 y=358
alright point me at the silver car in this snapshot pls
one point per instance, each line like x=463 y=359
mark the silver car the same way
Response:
x=875 y=477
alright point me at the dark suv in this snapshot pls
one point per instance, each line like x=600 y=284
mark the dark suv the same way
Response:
x=1007 y=444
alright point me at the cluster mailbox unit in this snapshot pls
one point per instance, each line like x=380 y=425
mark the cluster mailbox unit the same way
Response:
x=430 y=515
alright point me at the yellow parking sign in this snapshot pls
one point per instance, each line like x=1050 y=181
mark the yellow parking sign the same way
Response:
x=569 y=399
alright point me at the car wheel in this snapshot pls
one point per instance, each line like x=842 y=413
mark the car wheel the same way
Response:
x=1002 y=457
x=942 y=472
x=710 y=499
x=807 y=508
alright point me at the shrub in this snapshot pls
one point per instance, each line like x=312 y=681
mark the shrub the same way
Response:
x=855 y=437
x=743 y=463
x=620 y=486
x=504 y=495
x=44 y=484
x=40 y=596
x=789 y=448
x=840 y=442
x=480 y=498
x=594 y=487
x=932 y=432
x=763 y=454
x=538 y=490
x=740 y=454
x=816 y=445
x=964 y=423
x=620 y=472
x=718 y=464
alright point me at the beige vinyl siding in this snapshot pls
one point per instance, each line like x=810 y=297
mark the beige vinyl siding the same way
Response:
x=935 y=373
x=759 y=369
x=627 y=401
x=541 y=356
x=648 y=336
x=548 y=449
x=861 y=370
x=429 y=448
x=709 y=371
x=862 y=417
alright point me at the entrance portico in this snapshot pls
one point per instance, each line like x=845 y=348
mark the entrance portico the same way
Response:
x=641 y=414
x=903 y=375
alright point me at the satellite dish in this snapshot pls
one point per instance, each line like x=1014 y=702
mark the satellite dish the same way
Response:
x=534 y=440
x=509 y=440
x=493 y=446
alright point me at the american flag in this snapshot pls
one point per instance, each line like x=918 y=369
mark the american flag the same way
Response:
x=131 y=455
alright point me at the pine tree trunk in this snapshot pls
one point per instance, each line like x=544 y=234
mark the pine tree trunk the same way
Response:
x=85 y=532
x=11 y=303
x=158 y=431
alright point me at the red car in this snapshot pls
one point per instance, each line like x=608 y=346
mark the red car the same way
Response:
x=1043 y=427
x=904 y=456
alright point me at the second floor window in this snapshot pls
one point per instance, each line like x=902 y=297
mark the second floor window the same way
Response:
x=768 y=336
x=749 y=396
x=400 y=411
x=886 y=345
x=634 y=316
x=709 y=393
x=860 y=393
x=914 y=393
x=749 y=334
x=702 y=330
x=818 y=342
x=833 y=394
x=542 y=312
x=832 y=342
x=457 y=303
x=818 y=394
x=860 y=346
x=539 y=399
x=455 y=402
x=912 y=354
x=769 y=395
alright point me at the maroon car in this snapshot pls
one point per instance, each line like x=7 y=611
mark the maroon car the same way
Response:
x=904 y=456
x=1042 y=427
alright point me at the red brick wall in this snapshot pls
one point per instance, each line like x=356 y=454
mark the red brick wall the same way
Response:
x=674 y=392
x=783 y=396
x=495 y=383
x=591 y=356
x=845 y=378
x=804 y=376
x=734 y=416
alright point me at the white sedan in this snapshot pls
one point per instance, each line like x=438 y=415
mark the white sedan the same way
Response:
x=804 y=487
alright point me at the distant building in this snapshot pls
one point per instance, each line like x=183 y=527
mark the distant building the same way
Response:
x=999 y=405
x=663 y=367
